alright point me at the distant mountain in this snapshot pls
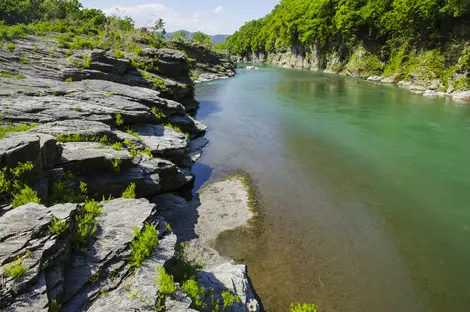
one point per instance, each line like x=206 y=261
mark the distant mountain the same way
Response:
x=215 y=39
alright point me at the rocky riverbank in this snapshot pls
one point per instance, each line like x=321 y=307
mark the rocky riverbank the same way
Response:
x=422 y=79
x=93 y=146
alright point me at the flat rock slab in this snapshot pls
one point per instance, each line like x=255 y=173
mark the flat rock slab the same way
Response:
x=162 y=140
x=69 y=127
x=91 y=156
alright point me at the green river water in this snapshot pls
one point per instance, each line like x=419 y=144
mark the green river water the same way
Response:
x=365 y=190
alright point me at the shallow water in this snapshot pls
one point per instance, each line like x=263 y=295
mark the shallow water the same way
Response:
x=365 y=190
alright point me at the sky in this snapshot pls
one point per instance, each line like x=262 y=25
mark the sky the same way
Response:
x=209 y=16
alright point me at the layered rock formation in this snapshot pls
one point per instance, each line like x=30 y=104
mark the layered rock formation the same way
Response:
x=92 y=124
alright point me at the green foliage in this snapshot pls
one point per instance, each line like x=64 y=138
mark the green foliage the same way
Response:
x=158 y=113
x=117 y=146
x=25 y=196
x=166 y=284
x=24 y=61
x=87 y=61
x=129 y=192
x=179 y=36
x=303 y=308
x=220 y=47
x=182 y=268
x=324 y=22
x=54 y=306
x=201 y=38
x=19 y=76
x=69 y=79
x=176 y=128
x=118 y=121
x=119 y=54
x=85 y=224
x=229 y=299
x=196 y=293
x=168 y=228
x=9 y=46
x=116 y=164
x=143 y=244
x=15 y=270
x=104 y=140
x=6 y=74
x=57 y=226
x=68 y=53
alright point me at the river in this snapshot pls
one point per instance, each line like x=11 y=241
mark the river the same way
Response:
x=364 y=188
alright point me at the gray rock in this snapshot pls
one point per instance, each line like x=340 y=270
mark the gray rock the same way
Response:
x=83 y=127
x=163 y=141
x=92 y=157
x=171 y=177
x=142 y=284
x=375 y=78
x=462 y=97
x=115 y=232
x=20 y=147
x=188 y=124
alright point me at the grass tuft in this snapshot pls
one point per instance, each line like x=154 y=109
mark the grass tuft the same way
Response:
x=15 y=270
x=129 y=192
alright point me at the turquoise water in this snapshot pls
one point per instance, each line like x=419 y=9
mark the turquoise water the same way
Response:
x=365 y=190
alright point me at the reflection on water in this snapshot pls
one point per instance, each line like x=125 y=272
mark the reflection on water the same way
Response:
x=364 y=189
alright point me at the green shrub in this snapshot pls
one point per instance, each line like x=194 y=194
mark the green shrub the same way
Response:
x=229 y=299
x=25 y=196
x=159 y=114
x=119 y=54
x=61 y=192
x=10 y=47
x=68 y=53
x=118 y=121
x=16 y=269
x=143 y=244
x=129 y=192
x=85 y=224
x=117 y=146
x=69 y=79
x=87 y=61
x=54 y=306
x=24 y=61
x=116 y=164
x=57 y=226
x=303 y=308
x=166 y=284
x=6 y=74
x=196 y=293
x=19 y=76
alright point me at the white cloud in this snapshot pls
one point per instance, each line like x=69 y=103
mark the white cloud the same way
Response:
x=210 y=22
x=219 y=9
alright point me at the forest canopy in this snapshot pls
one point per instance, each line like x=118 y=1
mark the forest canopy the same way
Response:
x=327 y=22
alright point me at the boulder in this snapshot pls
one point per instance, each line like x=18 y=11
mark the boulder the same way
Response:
x=85 y=128
x=163 y=141
x=462 y=97
x=92 y=157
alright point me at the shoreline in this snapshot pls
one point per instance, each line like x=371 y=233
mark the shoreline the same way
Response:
x=295 y=62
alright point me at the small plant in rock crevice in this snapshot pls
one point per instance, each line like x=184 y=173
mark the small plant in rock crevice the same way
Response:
x=57 y=226
x=129 y=193
x=12 y=185
x=118 y=121
x=144 y=243
x=166 y=287
x=117 y=146
x=116 y=165
x=85 y=224
x=15 y=270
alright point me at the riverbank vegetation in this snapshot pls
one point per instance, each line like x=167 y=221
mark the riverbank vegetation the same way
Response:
x=407 y=38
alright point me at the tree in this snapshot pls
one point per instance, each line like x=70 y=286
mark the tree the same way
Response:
x=202 y=38
x=179 y=36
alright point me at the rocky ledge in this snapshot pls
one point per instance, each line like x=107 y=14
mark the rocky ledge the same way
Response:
x=79 y=129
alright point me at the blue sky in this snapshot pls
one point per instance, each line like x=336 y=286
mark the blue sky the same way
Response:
x=209 y=16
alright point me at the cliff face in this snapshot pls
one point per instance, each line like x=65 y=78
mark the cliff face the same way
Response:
x=77 y=129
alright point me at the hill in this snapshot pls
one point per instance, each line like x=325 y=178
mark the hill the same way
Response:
x=215 y=39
